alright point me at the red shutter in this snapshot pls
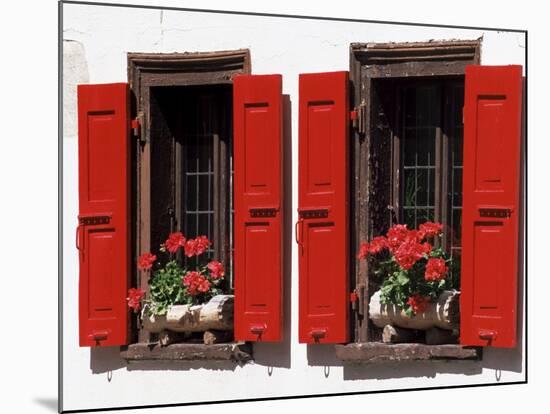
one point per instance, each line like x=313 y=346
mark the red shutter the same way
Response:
x=103 y=231
x=258 y=207
x=492 y=146
x=322 y=228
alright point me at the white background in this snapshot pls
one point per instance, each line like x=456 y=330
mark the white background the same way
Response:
x=28 y=163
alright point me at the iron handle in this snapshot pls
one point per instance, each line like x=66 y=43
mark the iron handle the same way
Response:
x=296 y=226
x=77 y=241
x=258 y=329
x=318 y=333
x=487 y=335
x=98 y=336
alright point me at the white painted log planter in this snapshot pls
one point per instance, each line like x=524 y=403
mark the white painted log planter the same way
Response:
x=216 y=314
x=443 y=314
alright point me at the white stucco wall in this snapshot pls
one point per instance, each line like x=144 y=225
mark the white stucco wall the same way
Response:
x=96 y=40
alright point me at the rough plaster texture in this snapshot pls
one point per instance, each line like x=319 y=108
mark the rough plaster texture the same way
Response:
x=96 y=40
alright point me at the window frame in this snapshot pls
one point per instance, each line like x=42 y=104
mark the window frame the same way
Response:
x=145 y=71
x=370 y=61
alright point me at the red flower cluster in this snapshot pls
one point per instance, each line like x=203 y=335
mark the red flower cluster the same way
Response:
x=418 y=303
x=429 y=229
x=378 y=244
x=396 y=236
x=146 y=260
x=403 y=243
x=363 y=250
x=435 y=269
x=134 y=298
x=174 y=242
x=216 y=269
x=353 y=297
x=196 y=283
x=196 y=247
x=409 y=252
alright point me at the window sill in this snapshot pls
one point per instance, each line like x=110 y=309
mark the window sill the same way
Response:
x=380 y=352
x=239 y=352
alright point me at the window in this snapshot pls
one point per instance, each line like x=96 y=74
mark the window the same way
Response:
x=427 y=147
x=191 y=130
x=183 y=160
x=406 y=159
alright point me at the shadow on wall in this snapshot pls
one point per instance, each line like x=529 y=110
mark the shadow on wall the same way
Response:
x=277 y=354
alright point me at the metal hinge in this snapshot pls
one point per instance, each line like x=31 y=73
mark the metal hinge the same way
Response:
x=136 y=125
x=358 y=118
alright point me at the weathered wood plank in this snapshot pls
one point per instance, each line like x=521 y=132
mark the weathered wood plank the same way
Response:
x=240 y=352
x=378 y=352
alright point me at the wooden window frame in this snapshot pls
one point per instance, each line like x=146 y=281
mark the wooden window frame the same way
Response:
x=147 y=70
x=368 y=62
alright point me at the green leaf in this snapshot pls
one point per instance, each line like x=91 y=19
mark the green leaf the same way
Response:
x=402 y=279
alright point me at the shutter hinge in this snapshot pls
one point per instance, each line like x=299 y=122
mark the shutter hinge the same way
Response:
x=358 y=118
x=136 y=125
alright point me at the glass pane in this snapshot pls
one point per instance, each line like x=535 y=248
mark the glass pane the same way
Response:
x=425 y=152
x=408 y=218
x=409 y=153
x=422 y=183
x=409 y=187
x=190 y=193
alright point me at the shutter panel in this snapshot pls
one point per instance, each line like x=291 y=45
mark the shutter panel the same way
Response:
x=492 y=147
x=103 y=230
x=322 y=228
x=258 y=207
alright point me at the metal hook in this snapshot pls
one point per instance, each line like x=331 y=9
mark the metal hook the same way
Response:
x=109 y=375
x=270 y=371
x=326 y=370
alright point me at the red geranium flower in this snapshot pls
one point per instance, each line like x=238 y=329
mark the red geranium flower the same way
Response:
x=146 y=260
x=134 y=298
x=353 y=297
x=418 y=303
x=397 y=235
x=408 y=253
x=363 y=250
x=174 y=242
x=190 y=247
x=195 y=283
x=430 y=229
x=202 y=243
x=216 y=269
x=378 y=244
x=427 y=247
x=435 y=269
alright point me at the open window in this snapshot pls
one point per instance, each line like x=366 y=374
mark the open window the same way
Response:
x=200 y=124
x=411 y=159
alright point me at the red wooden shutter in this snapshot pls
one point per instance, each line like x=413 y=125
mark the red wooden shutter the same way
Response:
x=258 y=207
x=103 y=231
x=492 y=146
x=322 y=229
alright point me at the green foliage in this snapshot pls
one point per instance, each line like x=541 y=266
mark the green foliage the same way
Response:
x=166 y=288
x=399 y=284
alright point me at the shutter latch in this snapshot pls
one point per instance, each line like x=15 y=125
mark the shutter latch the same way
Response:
x=136 y=125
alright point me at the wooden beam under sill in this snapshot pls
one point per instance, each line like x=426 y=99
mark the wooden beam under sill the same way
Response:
x=367 y=352
x=239 y=352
